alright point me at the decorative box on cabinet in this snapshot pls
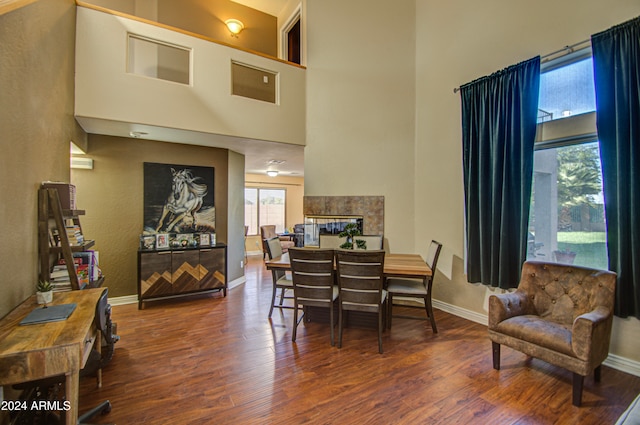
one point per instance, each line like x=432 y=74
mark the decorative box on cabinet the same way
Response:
x=176 y=273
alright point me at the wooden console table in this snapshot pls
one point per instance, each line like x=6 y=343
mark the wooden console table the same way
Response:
x=30 y=352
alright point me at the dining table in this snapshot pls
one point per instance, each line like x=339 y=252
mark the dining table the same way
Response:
x=395 y=265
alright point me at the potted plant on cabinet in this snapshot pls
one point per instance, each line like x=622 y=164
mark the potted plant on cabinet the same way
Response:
x=44 y=293
x=350 y=232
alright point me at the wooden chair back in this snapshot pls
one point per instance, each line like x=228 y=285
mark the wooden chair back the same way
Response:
x=360 y=278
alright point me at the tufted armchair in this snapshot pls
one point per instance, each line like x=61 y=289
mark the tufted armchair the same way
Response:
x=269 y=232
x=560 y=314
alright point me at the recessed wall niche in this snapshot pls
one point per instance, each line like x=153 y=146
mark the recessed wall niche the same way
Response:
x=157 y=59
x=254 y=83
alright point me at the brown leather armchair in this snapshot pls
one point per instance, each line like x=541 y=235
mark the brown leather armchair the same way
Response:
x=561 y=314
x=268 y=232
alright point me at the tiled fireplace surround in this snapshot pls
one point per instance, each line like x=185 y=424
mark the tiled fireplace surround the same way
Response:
x=371 y=208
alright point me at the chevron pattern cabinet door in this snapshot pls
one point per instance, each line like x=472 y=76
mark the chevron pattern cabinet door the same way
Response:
x=154 y=274
x=212 y=268
x=164 y=274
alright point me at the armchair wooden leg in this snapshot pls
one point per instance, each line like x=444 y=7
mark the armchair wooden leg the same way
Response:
x=597 y=373
x=496 y=355
x=578 y=381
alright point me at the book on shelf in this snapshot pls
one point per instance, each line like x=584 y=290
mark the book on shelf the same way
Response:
x=85 y=265
x=74 y=235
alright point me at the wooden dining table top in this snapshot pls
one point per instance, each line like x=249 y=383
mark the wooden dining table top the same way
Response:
x=403 y=265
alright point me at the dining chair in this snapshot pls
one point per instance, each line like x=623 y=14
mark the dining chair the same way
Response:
x=415 y=288
x=313 y=283
x=360 y=282
x=281 y=280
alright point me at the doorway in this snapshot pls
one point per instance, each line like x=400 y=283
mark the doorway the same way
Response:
x=292 y=38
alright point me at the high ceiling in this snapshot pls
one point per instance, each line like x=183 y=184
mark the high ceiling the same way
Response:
x=272 y=7
x=257 y=158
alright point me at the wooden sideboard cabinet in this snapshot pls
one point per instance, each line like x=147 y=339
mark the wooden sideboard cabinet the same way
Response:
x=181 y=272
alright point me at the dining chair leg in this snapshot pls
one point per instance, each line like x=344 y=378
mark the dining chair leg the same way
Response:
x=380 y=330
x=273 y=299
x=389 y=309
x=331 y=322
x=429 y=307
x=295 y=322
x=282 y=295
x=340 y=328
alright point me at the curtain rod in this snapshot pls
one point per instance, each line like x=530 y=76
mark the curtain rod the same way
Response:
x=546 y=58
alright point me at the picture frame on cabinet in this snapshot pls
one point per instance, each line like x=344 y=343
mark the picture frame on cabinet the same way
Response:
x=205 y=239
x=162 y=240
x=147 y=242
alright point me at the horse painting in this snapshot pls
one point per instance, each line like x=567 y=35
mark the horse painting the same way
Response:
x=183 y=202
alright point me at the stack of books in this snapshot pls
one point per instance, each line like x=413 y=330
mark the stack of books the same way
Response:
x=86 y=267
x=59 y=277
x=75 y=235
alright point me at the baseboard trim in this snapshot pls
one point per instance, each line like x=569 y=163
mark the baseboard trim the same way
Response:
x=237 y=282
x=622 y=364
x=613 y=361
x=126 y=299
x=461 y=312
x=133 y=299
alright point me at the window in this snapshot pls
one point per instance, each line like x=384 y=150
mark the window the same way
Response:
x=264 y=207
x=567 y=90
x=567 y=222
x=157 y=59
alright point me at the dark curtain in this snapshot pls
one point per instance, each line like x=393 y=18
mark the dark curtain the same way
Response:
x=499 y=115
x=616 y=62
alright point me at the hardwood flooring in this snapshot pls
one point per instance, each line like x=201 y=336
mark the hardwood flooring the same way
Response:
x=214 y=360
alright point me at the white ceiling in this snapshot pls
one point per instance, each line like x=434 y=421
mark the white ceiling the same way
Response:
x=258 y=153
x=272 y=7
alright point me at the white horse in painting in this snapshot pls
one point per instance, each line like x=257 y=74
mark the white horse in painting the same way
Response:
x=185 y=199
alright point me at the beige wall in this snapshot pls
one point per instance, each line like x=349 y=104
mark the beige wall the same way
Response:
x=295 y=192
x=360 y=107
x=112 y=196
x=382 y=117
x=36 y=125
x=458 y=41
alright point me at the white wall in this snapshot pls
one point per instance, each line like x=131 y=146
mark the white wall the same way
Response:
x=360 y=106
x=459 y=41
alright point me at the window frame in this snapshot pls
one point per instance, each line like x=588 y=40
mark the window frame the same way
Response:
x=568 y=131
x=258 y=189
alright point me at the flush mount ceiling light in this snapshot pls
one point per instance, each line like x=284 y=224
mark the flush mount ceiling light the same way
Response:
x=272 y=173
x=235 y=26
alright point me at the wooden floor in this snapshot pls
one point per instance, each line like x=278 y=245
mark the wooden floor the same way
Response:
x=214 y=360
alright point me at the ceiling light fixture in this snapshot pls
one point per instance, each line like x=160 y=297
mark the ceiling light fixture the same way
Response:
x=272 y=173
x=235 y=26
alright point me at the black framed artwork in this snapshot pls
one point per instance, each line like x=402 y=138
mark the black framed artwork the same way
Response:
x=178 y=198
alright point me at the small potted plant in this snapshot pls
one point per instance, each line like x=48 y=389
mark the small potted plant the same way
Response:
x=350 y=232
x=44 y=293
